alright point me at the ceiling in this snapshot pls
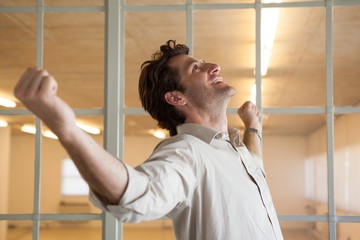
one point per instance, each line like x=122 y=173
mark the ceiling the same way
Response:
x=74 y=55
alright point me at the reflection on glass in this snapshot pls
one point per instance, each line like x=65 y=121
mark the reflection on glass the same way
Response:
x=347 y=164
x=74 y=55
x=159 y=27
x=346 y=50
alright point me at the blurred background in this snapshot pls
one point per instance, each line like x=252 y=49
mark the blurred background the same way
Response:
x=307 y=83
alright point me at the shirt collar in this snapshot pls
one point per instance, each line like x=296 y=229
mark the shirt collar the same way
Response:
x=208 y=134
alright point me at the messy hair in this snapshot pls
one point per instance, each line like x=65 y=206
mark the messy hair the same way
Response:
x=156 y=79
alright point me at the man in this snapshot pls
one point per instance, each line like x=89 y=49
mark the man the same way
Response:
x=209 y=182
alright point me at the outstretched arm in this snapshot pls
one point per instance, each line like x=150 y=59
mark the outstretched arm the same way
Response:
x=249 y=114
x=106 y=175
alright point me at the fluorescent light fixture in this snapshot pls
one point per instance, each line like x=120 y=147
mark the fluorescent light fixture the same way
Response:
x=49 y=134
x=28 y=129
x=7 y=103
x=269 y=22
x=159 y=134
x=3 y=123
x=89 y=129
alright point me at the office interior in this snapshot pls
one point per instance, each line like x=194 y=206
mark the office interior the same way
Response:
x=299 y=62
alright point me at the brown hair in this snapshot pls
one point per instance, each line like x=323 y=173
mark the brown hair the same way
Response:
x=156 y=79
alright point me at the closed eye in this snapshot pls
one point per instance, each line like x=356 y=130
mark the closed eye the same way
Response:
x=195 y=67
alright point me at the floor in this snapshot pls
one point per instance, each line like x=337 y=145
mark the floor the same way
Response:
x=71 y=233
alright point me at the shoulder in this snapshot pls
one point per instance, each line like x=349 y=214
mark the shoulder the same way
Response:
x=183 y=140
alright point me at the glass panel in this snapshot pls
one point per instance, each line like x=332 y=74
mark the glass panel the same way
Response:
x=5 y=158
x=348 y=231
x=70 y=230
x=138 y=132
x=159 y=27
x=300 y=231
x=223 y=1
x=52 y=199
x=19 y=230
x=21 y=166
x=74 y=2
x=74 y=55
x=347 y=164
x=292 y=150
x=346 y=28
x=229 y=41
x=154 y=2
x=7 y=3
x=296 y=72
x=18 y=49
x=154 y=230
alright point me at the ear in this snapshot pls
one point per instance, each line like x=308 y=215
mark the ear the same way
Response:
x=175 y=98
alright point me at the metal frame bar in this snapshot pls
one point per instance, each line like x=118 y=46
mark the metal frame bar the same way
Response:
x=330 y=120
x=114 y=99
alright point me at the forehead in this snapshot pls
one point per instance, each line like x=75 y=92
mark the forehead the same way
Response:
x=181 y=62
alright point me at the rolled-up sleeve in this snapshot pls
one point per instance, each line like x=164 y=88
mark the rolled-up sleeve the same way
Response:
x=155 y=187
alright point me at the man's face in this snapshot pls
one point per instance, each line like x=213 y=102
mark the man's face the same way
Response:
x=204 y=87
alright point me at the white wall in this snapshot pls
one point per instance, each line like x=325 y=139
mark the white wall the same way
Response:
x=4 y=176
x=346 y=163
x=285 y=172
x=346 y=173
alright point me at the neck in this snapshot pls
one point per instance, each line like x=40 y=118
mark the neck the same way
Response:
x=216 y=121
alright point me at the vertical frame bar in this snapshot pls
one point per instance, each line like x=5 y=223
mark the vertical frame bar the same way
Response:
x=38 y=137
x=111 y=228
x=189 y=25
x=258 y=77
x=330 y=120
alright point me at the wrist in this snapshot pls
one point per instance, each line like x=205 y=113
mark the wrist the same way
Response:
x=254 y=131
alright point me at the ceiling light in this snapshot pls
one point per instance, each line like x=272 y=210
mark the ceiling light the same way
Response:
x=7 y=103
x=269 y=22
x=89 y=129
x=28 y=128
x=159 y=134
x=3 y=123
x=49 y=134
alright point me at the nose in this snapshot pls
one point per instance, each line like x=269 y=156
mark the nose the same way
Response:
x=214 y=68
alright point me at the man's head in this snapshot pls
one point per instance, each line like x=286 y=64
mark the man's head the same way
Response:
x=156 y=79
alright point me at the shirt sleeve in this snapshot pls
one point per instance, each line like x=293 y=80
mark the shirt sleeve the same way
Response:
x=156 y=187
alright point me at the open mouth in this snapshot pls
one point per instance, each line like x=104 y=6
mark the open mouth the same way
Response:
x=217 y=80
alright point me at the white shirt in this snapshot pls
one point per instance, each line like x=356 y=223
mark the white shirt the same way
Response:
x=211 y=189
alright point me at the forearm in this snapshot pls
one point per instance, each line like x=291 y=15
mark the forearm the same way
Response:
x=252 y=140
x=105 y=174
